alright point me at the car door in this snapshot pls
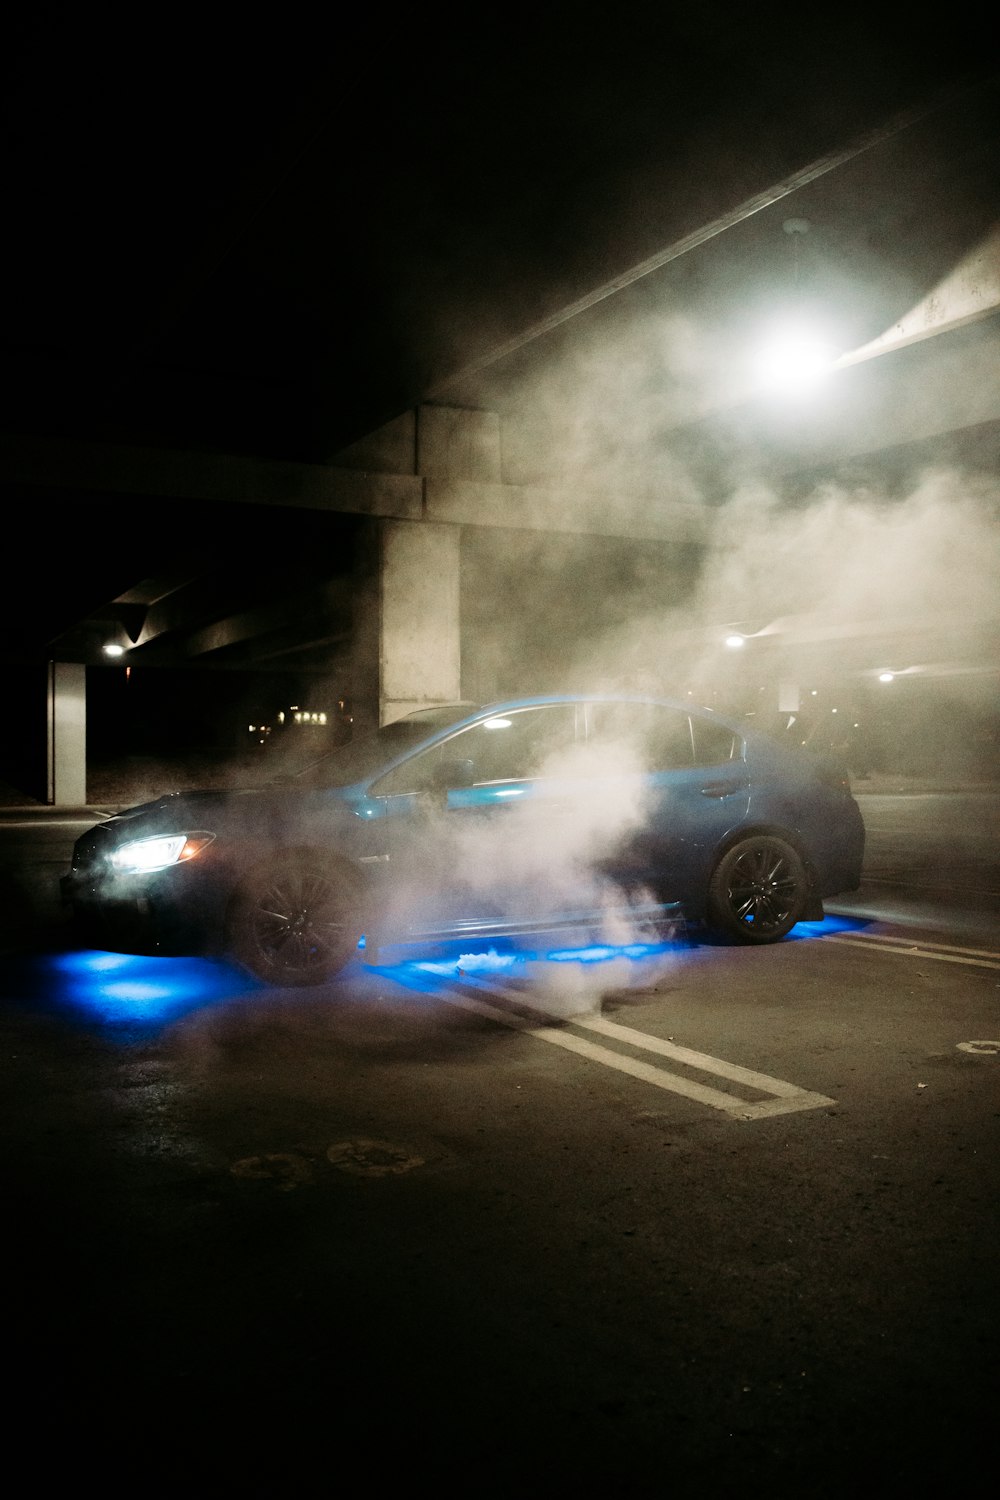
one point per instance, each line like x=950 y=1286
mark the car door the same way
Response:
x=469 y=827
x=694 y=791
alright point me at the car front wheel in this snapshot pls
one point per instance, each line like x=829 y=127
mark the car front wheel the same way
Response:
x=295 y=924
x=758 y=890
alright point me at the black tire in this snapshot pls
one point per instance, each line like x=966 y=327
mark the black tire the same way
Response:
x=296 y=923
x=758 y=890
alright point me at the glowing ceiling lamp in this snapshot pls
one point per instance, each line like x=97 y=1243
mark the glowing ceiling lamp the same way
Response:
x=796 y=361
x=797 y=355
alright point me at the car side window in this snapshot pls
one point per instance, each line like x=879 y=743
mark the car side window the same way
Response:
x=714 y=744
x=660 y=737
x=506 y=747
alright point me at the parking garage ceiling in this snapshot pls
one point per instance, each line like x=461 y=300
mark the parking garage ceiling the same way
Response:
x=268 y=234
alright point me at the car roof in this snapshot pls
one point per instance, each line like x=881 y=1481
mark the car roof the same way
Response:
x=611 y=695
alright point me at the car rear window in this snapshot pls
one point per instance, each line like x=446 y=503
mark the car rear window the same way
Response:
x=665 y=738
x=714 y=743
x=658 y=735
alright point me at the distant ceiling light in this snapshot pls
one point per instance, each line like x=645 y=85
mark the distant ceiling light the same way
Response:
x=887 y=677
x=114 y=650
x=735 y=641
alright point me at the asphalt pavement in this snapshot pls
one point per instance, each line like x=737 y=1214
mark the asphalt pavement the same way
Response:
x=255 y=1237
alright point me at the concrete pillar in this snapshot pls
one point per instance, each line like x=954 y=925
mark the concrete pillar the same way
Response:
x=419 y=645
x=454 y=442
x=67 y=734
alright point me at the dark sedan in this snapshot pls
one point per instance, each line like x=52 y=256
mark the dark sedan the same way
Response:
x=605 y=812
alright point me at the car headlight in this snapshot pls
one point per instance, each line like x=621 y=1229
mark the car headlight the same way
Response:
x=145 y=855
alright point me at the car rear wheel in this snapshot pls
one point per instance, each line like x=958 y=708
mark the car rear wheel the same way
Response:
x=758 y=890
x=295 y=924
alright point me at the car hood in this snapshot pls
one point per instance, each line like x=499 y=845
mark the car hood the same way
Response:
x=273 y=808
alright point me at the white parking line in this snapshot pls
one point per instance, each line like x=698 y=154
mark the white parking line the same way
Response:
x=785 y=1098
x=943 y=953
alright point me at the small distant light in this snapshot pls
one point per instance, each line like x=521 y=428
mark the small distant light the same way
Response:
x=887 y=677
x=813 y=692
x=734 y=642
x=114 y=650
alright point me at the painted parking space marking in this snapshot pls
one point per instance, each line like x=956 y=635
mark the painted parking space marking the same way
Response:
x=784 y=1098
x=943 y=953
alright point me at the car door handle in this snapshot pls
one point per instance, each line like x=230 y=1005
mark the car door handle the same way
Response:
x=723 y=788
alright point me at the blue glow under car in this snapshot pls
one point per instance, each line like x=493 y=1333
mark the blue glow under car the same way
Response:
x=606 y=814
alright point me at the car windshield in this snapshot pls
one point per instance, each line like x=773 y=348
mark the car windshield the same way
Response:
x=362 y=757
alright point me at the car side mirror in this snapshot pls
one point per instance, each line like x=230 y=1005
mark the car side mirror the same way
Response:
x=450 y=775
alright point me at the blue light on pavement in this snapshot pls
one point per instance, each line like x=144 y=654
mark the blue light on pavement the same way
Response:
x=127 y=987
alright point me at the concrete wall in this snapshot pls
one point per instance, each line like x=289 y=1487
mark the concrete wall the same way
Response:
x=419 y=637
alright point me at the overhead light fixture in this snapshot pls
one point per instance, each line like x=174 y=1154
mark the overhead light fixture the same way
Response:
x=796 y=360
x=113 y=649
x=734 y=641
x=798 y=354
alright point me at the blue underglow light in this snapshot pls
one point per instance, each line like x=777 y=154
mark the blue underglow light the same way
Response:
x=475 y=963
x=827 y=927
x=592 y=955
x=409 y=968
x=116 y=987
x=426 y=973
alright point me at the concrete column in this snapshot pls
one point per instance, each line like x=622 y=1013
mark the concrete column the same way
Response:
x=67 y=734
x=419 y=645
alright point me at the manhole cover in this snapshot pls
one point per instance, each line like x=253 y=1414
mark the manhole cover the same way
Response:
x=280 y=1167
x=367 y=1158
